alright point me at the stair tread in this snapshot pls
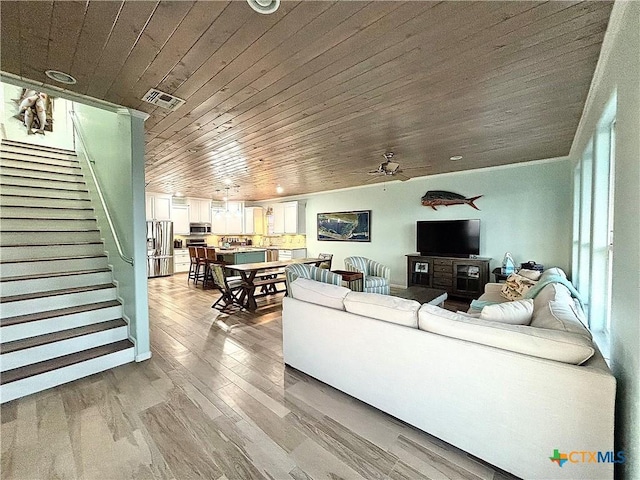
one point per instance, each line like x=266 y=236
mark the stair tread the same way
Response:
x=80 y=230
x=45 y=208
x=64 y=361
x=48 y=338
x=34 y=317
x=53 y=293
x=48 y=197
x=51 y=259
x=48 y=187
x=36 y=178
x=53 y=275
x=42 y=170
x=31 y=146
x=56 y=244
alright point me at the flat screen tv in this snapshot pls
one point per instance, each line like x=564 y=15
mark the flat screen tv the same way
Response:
x=449 y=238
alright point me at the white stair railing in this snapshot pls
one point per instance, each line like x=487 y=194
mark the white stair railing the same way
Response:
x=78 y=133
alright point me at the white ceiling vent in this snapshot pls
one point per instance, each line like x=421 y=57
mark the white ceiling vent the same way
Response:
x=161 y=99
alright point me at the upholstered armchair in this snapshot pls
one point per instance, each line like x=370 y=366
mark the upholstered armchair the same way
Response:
x=300 y=270
x=376 y=276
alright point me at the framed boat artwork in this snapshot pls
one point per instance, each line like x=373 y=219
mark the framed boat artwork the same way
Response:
x=352 y=226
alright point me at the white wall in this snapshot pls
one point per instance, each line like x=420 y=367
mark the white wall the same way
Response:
x=524 y=210
x=619 y=70
x=14 y=129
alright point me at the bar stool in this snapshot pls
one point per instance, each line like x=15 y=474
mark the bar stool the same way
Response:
x=193 y=265
x=210 y=257
x=201 y=258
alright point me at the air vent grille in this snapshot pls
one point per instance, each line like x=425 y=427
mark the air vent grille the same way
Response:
x=162 y=99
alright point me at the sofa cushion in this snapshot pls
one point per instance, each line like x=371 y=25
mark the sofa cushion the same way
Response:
x=325 y=294
x=561 y=315
x=517 y=312
x=552 y=291
x=383 y=307
x=530 y=274
x=561 y=346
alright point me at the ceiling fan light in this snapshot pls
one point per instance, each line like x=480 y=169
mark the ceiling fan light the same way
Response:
x=264 y=7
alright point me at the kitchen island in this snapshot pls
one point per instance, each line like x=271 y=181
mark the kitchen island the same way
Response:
x=238 y=256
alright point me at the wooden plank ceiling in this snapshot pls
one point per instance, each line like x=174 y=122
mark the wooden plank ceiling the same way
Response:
x=311 y=96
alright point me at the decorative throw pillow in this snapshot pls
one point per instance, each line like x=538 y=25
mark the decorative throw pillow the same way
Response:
x=517 y=312
x=516 y=286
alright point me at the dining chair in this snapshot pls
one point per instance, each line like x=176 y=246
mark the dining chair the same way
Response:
x=230 y=289
x=328 y=257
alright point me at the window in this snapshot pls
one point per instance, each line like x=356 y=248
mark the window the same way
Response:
x=593 y=225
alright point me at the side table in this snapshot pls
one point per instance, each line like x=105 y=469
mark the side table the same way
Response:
x=354 y=280
x=499 y=276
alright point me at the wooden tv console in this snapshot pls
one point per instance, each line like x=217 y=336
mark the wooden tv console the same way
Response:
x=460 y=277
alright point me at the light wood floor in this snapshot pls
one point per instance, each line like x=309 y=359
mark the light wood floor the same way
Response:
x=215 y=401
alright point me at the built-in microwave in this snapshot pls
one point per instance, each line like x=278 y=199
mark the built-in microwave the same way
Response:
x=199 y=228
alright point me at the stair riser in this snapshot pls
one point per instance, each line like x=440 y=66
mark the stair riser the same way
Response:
x=44 y=381
x=41 y=182
x=41 y=353
x=51 y=266
x=57 y=324
x=41 y=175
x=28 y=164
x=42 y=225
x=28 y=154
x=26 y=307
x=27 y=238
x=32 y=201
x=37 y=285
x=50 y=251
x=38 y=212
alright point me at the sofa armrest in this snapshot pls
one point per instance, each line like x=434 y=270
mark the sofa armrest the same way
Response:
x=493 y=287
x=378 y=270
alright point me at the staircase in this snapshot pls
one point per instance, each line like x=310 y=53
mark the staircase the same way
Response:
x=59 y=316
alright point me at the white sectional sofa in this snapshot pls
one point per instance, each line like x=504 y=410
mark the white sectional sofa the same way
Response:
x=508 y=394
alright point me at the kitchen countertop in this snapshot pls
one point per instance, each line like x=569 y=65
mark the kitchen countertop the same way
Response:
x=240 y=249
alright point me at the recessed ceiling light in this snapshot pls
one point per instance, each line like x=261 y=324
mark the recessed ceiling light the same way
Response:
x=279 y=189
x=264 y=6
x=456 y=157
x=60 y=77
x=178 y=194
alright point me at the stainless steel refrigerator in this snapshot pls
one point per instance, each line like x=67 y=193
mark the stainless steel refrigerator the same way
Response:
x=159 y=249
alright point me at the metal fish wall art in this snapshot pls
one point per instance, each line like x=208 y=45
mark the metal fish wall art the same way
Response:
x=434 y=198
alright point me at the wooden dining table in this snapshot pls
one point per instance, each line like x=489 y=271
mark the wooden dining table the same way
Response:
x=249 y=271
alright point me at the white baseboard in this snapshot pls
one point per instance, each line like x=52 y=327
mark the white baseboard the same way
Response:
x=143 y=356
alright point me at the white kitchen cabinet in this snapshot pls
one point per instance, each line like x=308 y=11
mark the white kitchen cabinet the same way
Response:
x=278 y=218
x=181 y=260
x=158 y=206
x=180 y=218
x=199 y=210
x=227 y=219
x=292 y=253
x=287 y=218
x=253 y=221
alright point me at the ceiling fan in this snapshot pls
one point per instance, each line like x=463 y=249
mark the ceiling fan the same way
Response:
x=389 y=168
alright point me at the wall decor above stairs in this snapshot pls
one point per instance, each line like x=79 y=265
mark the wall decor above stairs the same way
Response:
x=60 y=319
